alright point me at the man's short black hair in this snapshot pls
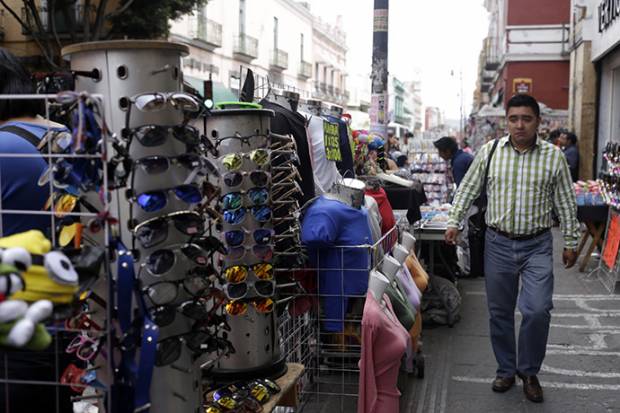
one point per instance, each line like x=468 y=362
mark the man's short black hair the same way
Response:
x=572 y=138
x=15 y=80
x=409 y=135
x=521 y=100
x=446 y=143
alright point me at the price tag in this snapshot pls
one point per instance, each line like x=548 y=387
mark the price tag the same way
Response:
x=332 y=141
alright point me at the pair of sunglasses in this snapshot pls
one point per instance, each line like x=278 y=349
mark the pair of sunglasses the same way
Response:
x=263 y=288
x=155 y=165
x=152 y=102
x=258 y=178
x=239 y=273
x=154 y=201
x=257 y=140
x=154 y=231
x=255 y=196
x=163 y=260
x=234 y=161
x=261 y=236
x=165 y=292
x=165 y=315
x=155 y=135
x=169 y=350
x=260 y=252
x=261 y=305
x=238 y=216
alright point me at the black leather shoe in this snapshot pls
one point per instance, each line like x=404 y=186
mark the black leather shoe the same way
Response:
x=532 y=389
x=503 y=384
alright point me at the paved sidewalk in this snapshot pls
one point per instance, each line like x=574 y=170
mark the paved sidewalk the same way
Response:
x=581 y=372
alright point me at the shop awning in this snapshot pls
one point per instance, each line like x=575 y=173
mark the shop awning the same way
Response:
x=220 y=92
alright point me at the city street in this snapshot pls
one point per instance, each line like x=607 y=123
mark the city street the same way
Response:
x=581 y=372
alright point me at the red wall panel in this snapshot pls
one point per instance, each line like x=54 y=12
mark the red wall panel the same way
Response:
x=551 y=81
x=533 y=12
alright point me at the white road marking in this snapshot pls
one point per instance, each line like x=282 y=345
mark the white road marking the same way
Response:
x=584 y=315
x=582 y=304
x=578 y=373
x=552 y=385
x=567 y=297
x=582 y=352
x=602 y=329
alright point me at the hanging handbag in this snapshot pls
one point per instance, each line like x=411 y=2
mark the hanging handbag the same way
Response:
x=478 y=226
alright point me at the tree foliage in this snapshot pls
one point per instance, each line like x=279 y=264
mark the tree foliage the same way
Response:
x=64 y=22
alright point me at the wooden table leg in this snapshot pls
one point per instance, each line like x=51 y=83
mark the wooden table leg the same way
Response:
x=596 y=231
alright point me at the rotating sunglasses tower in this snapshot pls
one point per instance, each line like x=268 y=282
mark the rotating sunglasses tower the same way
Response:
x=140 y=81
x=241 y=134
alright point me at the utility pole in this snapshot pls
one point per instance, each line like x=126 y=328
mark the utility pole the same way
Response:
x=379 y=105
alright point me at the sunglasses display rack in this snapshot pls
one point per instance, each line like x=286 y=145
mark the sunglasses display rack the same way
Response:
x=244 y=144
x=54 y=310
x=159 y=133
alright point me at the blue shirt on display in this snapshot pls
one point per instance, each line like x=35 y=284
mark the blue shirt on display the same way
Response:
x=460 y=164
x=19 y=176
x=342 y=271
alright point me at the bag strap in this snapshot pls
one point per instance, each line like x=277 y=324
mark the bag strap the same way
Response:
x=22 y=133
x=486 y=171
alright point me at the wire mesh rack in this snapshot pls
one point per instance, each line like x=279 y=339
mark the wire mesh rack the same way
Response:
x=330 y=380
x=76 y=364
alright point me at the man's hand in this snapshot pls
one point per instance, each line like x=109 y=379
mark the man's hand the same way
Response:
x=569 y=257
x=450 y=235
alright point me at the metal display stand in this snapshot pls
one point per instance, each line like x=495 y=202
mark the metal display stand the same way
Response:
x=253 y=335
x=128 y=68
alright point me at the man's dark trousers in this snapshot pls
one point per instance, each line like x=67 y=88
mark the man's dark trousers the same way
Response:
x=507 y=261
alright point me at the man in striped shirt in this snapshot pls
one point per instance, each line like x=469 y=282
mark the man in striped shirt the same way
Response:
x=528 y=178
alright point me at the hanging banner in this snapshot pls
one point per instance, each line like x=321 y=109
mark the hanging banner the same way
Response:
x=331 y=138
x=612 y=242
x=522 y=85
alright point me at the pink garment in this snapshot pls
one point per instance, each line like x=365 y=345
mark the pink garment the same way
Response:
x=384 y=341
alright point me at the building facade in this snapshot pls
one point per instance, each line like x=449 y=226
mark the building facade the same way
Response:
x=279 y=40
x=605 y=54
x=525 y=52
x=433 y=118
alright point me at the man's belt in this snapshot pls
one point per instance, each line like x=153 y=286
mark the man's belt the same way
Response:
x=516 y=237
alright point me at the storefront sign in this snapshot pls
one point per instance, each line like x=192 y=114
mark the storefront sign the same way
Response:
x=522 y=85
x=331 y=138
x=608 y=12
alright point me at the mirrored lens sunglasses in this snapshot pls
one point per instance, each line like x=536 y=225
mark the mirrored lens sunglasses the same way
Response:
x=239 y=273
x=234 y=161
x=255 y=196
x=257 y=178
x=261 y=236
x=261 y=305
x=261 y=214
x=154 y=201
x=260 y=252
x=150 y=102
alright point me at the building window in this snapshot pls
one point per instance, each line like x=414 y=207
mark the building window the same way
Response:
x=241 y=16
x=316 y=71
x=301 y=46
x=275 y=33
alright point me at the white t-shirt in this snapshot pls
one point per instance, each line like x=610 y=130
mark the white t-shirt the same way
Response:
x=325 y=171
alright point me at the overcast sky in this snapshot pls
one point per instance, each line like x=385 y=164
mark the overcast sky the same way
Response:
x=429 y=37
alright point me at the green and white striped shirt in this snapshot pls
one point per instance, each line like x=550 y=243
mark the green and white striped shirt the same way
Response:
x=523 y=189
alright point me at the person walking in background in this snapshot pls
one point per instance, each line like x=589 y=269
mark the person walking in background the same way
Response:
x=459 y=160
x=568 y=141
x=527 y=179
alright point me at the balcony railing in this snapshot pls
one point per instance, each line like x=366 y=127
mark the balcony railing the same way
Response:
x=61 y=25
x=305 y=70
x=279 y=59
x=492 y=53
x=208 y=31
x=246 y=47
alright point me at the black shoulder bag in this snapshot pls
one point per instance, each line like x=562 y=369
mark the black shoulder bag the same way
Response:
x=478 y=226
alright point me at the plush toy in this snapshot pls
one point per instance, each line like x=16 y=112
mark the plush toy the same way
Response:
x=30 y=272
x=50 y=274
